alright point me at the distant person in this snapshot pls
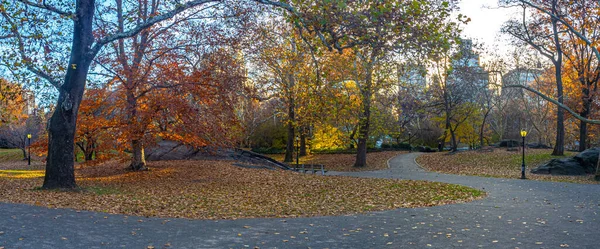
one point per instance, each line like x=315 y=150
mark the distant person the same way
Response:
x=440 y=147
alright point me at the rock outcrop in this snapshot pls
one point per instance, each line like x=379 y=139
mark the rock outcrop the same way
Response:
x=581 y=164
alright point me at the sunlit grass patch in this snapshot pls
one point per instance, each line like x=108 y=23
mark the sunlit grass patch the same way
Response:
x=21 y=174
x=499 y=163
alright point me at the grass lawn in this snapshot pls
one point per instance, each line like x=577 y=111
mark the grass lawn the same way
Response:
x=345 y=162
x=7 y=155
x=217 y=190
x=500 y=163
x=13 y=159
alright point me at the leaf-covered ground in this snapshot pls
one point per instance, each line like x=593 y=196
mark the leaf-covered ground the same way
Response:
x=499 y=163
x=345 y=162
x=217 y=190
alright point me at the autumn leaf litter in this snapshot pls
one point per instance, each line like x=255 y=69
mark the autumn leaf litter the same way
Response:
x=218 y=190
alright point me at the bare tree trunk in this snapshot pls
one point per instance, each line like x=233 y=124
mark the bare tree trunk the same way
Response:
x=364 y=119
x=89 y=154
x=363 y=136
x=559 y=148
x=60 y=171
x=303 y=142
x=24 y=153
x=453 y=141
x=289 y=145
x=583 y=125
x=481 y=142
x=597 y=176
x=138 y=161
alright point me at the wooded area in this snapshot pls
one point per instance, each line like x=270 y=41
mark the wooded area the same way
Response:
x=112 y=79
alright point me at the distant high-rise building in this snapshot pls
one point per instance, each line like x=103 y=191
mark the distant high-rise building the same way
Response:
x=518 y=76
x=468 y=72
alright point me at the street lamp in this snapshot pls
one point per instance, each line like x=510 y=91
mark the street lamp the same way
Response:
x=523 y=135
x=297 y=151
x=29 y=150
x=409 y=133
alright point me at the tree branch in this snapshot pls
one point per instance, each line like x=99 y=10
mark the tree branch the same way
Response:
x=168 y=15
x=553 y=101
x=562 y=21
x=44 y=5
x=27 y=61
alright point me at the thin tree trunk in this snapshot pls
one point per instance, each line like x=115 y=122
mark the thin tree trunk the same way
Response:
x=363 y=136
x=289 y=145
x=60 y=171
x=303 y=142
x=89 y=155
x=583 y=125
x=453 y=141
x=364 y=123
x=559 y=147
x=24 y=153
x=597 y=176
x=481 y=142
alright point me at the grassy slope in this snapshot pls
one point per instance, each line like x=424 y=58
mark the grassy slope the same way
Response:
x=500 y=163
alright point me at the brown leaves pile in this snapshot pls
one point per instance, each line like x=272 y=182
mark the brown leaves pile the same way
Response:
x=217 y=190
x=345 y=162
x=499 y=163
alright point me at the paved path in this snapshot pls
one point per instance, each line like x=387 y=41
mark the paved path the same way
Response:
x=517 y=213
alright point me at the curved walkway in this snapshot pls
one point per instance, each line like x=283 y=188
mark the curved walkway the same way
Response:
x=517 y=213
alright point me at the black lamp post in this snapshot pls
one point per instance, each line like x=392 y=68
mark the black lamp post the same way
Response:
x=409 y=133
x=297 y=151
x=29 y=150
x=523 y=135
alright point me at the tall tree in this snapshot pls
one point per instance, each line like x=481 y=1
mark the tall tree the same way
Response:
x=457 y=83
x=280 y=49
x=564 y=20
x=542 y=33
x=581 y=59
x=376 y=30
x=34 y=25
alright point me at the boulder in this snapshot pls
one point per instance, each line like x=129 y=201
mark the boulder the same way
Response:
x=509 y=143
x=562 y=166
x=172 y=150
x=422 y=148
x=169 y=150
x=588 y=159
x=538 y=146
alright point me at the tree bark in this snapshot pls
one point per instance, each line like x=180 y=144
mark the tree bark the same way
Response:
x=482 y=128
x=453 y=141
x=363 y=136
x=138 y=160
x=289 y=145
x=61 y=129
x=303 y=143
x=24 y=153
x=597 y=176
x=364 y=120
x=89 y=154
x=583 y=125
x=559 y=147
